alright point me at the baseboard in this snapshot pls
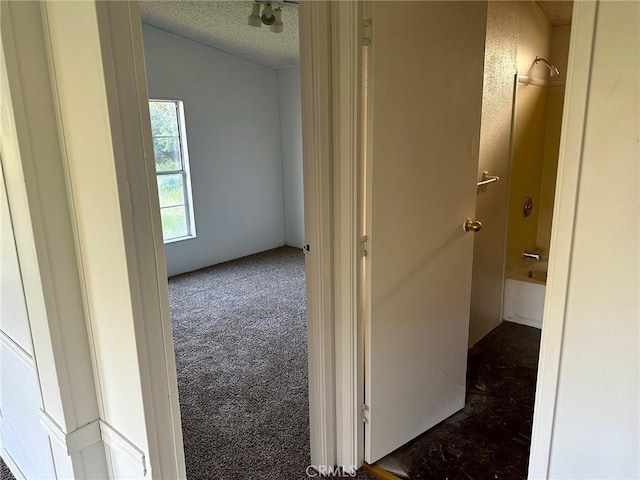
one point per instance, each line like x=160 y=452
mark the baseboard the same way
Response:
x=525 y=321
x=118 y=443
x=75 y=441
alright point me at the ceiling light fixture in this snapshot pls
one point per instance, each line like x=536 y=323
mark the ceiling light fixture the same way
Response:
x=268 y=17
x=254 y=18
x=271 y=15
x=277 y=25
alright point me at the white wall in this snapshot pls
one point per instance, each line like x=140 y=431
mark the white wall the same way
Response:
x=61 y=391
x=233 y=132
x=291 y=143
x=24 y=443
x=596 y=432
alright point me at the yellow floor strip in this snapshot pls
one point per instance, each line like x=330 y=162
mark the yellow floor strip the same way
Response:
x=379 y=473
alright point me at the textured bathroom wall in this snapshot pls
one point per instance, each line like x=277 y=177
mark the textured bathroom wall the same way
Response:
x=516 y=33
x=501 y=48
x=560 y=51
x=555 y=103
x=530 y=121
x=534 y=39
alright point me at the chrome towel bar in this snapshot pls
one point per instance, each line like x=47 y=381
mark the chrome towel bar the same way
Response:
x=487 y=179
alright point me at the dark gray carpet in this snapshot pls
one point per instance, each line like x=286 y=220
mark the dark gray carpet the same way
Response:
x=241 y=354
x=5 y=473
x=240 y=336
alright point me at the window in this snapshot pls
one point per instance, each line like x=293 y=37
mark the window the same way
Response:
x=172 y=169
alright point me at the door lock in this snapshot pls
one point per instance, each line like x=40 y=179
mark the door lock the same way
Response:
x=472 y=225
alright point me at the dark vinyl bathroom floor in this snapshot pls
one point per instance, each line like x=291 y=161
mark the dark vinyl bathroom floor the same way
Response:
x=490 y=437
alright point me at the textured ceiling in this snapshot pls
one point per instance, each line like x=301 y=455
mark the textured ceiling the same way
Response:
x=559 y=12
x=223 y=25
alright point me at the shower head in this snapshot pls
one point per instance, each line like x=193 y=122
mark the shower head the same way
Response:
x=553 y=71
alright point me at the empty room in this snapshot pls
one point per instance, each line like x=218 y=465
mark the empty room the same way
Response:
x=224 y=103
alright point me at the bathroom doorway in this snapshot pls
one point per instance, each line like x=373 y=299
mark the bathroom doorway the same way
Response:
x=519 y=144
x=526 y=52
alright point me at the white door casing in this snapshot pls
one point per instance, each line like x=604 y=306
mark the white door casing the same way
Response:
x=425 y=74
x=582 y=37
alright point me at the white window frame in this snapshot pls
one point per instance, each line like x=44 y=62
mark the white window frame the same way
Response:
x=185 y=172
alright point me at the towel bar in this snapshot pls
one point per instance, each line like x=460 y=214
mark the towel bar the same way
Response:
x=487 y=179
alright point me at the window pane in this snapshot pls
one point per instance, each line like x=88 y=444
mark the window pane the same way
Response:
x=170 y=189
x=166 y=151
x=164 y=119
x=174 y=222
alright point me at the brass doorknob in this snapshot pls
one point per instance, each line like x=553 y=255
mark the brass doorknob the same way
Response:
x=472 y=225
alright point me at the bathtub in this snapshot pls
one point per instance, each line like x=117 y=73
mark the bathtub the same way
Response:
x=524 y=289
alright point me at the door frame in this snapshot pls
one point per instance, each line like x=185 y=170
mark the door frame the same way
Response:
x=348 y=54
x=331 y=48
x=128 y=81
x=574 y=116
x=332 y=429
x=350 y=164
x=315 y=83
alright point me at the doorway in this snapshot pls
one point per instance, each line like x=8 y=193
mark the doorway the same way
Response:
x=225 y=110
x=418 y=372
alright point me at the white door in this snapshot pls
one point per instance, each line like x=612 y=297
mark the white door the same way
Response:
x=425 y=75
